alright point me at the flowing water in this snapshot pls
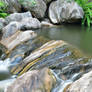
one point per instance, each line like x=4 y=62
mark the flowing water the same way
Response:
x=79 y=37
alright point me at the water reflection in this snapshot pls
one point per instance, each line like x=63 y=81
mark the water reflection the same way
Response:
x=76 y=35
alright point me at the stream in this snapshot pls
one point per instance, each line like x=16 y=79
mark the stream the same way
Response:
x=66 y=62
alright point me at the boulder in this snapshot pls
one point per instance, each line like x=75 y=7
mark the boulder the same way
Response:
x=65 y=11
x=46 y=23
x=10 y=29
x=18 y=38
x=17 y=17
x=33 y=81
x=2 y=23
x=37 y=7
x=30 y=23
x=84 y=84
x=25 y=24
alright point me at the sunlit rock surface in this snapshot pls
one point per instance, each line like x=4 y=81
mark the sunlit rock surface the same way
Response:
x=18 y=38
x=84 y=84
x=65 y=11
x=24 y=24
x=17 y=17
x=34 y=81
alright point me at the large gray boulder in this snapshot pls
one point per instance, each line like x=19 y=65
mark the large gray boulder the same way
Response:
x=37 y=7
x=84 y=84
x=30 y=23
x=10 y=29
x=34 y=81
x=24 y=24
x=65 y=11
x=17 y=16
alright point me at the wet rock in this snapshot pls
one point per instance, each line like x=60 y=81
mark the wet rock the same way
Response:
x=84 y=84
x=18 y=38
x=24 y=49
x=10 y=29
x=30 y=23
x=37 y=55
x=65 y=11
x=17 y=16
x=37 y=7
x=34 y=81
x=2 y=23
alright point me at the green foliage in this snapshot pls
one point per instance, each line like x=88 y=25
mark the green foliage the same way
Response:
x=87 y=7
x=3 y=7
x=33 y=3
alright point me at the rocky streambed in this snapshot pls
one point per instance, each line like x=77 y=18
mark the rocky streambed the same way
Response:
x=33 y=63
x=37 y=64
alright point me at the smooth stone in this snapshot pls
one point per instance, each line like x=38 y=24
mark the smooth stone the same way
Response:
x=30 y=23
x=18 y=38
x=84 y=84
x=46 y=24
x=41 y=80
x=65 y=11
x=18 y=17
x=24 y=24
x=10 y=29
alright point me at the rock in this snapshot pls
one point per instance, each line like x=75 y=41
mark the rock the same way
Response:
x=37 y=7
x=25 y=24
x=65 y=11
x=24 y=49
x=35 y=56
x=17 y=16
x=2 y=23
x=46 y=23
x=34 y=81
x=84 y=84
x=10 y=29
x=30 y=23
x=18 y=38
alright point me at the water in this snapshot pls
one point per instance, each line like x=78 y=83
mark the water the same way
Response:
x=80 y=37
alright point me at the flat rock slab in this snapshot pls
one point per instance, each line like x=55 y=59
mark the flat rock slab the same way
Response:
x=16 y=39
